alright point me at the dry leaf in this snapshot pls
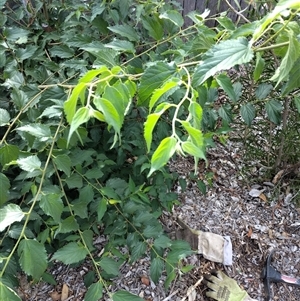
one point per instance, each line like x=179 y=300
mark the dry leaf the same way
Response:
x=145 y=280
x=55 y=296
x=263 y=197
x=64 y=292
x=249 y=234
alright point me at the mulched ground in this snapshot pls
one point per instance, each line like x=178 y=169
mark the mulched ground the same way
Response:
x=258 y=216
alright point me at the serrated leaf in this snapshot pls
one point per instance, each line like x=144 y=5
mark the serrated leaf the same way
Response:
x=63 y=163
x=4 y=117
x=171 y=276
x=80 y=117
x=110 y=266
x=62 y=51
x=297 y=103
x=14 y=33
x=94 y=292
x=25 y=53
x=294 y=79
x=138 y=250
x=4 y=186
x=174 y=16
x=70 y=253
x=101 y=209
x=152 y=231
x=152 y=78
x=196 y=111
x=156 y=269
x=37 y=130
x=52 y=205
x=125 y=31
x=163 y=153
x=167 y=89
x=248 y=113
x=74 y=181
x=9 y=214
x=154 y=26
x=125 y=296
x=69 y=224
x=71 y=103
x=30 y=163
x=287 y=63
x=8 y=294
x=224 y=81
x=162 y=242
x=259 y=66
x=120 y=45
x=33 y=257
x=195 y=134
x=263 y=90
x=150 y=124
x=223 y=56
x=193 y=150
x=274 y=109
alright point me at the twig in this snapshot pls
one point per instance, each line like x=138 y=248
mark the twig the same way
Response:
x=192 y=288
x=238 y=13
x=171 y=295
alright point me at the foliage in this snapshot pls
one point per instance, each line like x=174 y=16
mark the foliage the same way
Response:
x=96 y=99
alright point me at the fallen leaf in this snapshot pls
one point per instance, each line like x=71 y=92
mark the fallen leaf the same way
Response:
x=249 y=234
x=255 y=192
x=55 y=296
x=145 y=280
x=64 y=292
x=263 y=197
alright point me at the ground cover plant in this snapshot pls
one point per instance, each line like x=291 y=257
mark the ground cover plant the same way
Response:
x=96 y=98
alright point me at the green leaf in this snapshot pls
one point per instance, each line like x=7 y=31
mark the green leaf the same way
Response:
x=63 y=163
x=4 y=117
x=40 y=131
x=80 y=117
x=150 y=124
x=162 y=242
x=30 y=163
x=162 y=154
x=52 y=205
x=125 y=296
x=274 y=109
x=25 y=53
x=69 y=224
x=156 y=269
x=126 y=31
x=297 y=103
x=152 y=230
x=174 y=16
x=291 y=56
x=154 y=26
x=4 y=185
x=138 y=250
x=294 y=79
x=224 y=81
x=102 y=207
x=259 y=66
x=74 y=181
x=171 y=276
x=248 y=113
x=263 y=90
x=14 y=33
x=33 y=257
x=8 y=294
x=71 y=103
x=94 y=292
x=196 y=111
x=195 y=134
x=167 y=89
x=119 y=45
x=193 y=150
x=110 y=266
x=70 y=253
x=9 y=214
x=152 y=79
x=62 y=51
x=110 y=113
x=223 y=56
